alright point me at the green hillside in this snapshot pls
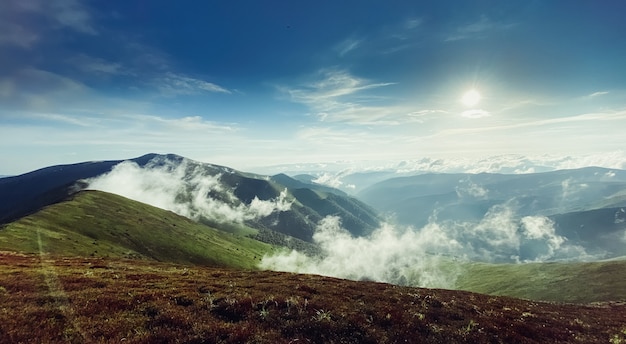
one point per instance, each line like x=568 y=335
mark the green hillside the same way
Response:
x=95 y=223
x=560 y=282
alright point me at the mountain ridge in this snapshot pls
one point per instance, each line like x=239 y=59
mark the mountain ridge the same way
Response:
x=25 y=194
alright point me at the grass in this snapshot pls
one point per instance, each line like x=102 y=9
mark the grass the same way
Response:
x=99 y=224
x=560 y=282
x=97 y=300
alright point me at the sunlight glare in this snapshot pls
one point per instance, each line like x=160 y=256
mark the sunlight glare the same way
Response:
x=471 y=98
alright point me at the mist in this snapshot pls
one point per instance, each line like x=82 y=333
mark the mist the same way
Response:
x=186 y=189
x=429 y=256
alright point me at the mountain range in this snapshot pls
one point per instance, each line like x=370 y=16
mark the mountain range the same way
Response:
x=585 y=206
x=165 y=248
x=231 y=192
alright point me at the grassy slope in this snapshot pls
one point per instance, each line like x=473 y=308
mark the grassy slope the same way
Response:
x=562 y=282
x=94 y=300
x=85 y=227
x=95 y=223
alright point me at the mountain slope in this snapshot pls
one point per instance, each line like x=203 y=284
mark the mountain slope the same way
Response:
x=212 y=194
x=87 y=300
x=26 y=193
x=94 y=223
x=577 y=282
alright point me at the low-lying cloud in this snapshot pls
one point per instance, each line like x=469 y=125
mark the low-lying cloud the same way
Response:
x=185 y=188
x=427 y=256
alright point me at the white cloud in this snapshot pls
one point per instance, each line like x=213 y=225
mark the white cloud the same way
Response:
x=96 y=65
x=620 y=217
x=172 y=84
x=600 y=93
x=186 y=124
x=339 y=96
x=184 y=188
x=72 y=14
x=475 y=113
x=347 y=46
x=424 y=257
x=477 y=29
x=467 y=188
x=384 y=256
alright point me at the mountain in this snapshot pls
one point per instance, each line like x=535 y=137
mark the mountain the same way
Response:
x=99 y=224
x=26 y=193
x=585 y=205
x=211 y=194
x=87 y=300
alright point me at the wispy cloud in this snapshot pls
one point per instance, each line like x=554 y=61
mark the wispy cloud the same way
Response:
x=477 y=29
x=347 y=46
x=71 y=14
x=172 y=84
x=187 y=123
x=81 y=121
x=96 y=65
x=596 y=94
x=475 y=113
x=339 y=96
x=31 y=88
x=15 y=34
x=412 y=23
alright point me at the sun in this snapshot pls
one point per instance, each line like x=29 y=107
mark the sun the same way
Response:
x=471 y=98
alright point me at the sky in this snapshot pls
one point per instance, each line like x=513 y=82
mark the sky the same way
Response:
x=258 y=83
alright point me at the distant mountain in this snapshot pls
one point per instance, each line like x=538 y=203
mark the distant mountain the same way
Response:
x=212 y=194
x=355 y=176
x=583 y=203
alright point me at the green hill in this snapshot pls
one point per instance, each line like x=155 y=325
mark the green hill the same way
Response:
x=561 y=282
x=94 y=223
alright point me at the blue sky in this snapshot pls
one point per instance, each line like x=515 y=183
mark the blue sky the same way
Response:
x=253 y=83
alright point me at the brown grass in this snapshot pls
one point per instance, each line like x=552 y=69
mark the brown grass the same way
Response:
x=89 y=300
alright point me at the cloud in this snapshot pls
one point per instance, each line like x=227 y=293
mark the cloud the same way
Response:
x=468 y=189
x=425 y=257
x=475 y=113
x=596 y=117
x=620 y=217
x=411 y=24
x=347 y=46
x=16 y=34
x=338 y=95
x=386 y=256
x=596 y=94
x=185 y=124
x=71 y=14
x=172 y=84
x=477 y=29
x=186 y=188
x=96 y=65
x=40 y=90
x=78 y=121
